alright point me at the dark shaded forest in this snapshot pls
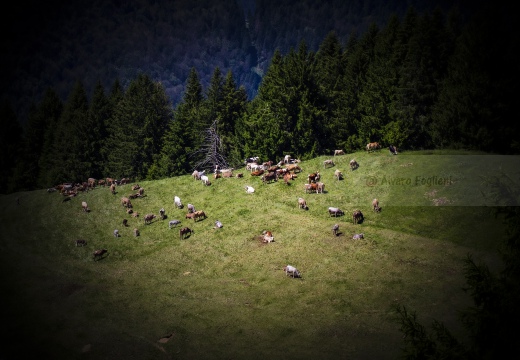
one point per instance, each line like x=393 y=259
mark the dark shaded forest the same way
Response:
x=424 y=80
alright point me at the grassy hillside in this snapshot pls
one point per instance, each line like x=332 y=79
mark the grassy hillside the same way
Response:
x=221 y=293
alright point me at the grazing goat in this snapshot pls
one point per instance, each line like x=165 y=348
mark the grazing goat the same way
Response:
x=287 y=159
x=373 y=146
x=392 y=149
x=320 y=187
x=196 y=174
x=116 y=233
x=98 y=254
x=135 y=214
x=126 y=202
x=293 y=168
x=173 y=223
x=288 y=176
x=257 y=172
x=314 y=177
x=268 y=236
x=302 y=204
x=218 y=225
x=339 y=152
x=113 y=188
x=328 y=163
x=190 y=215
x=85 y=206
x=358 y=236
x=335 y=229
x=191 y=208
x=184 y=231
x=291 y=271
x=338 y=175
x=335 y=211
x=177 y=202
x=249 y=189
x=129 y=211
x=353 y=164
x=162 y=213
x=272 y=176
x=199 y=214
x=205 y=180
x=310 y=187
x=135 y=187
x=375 y=205
x=125 y=222
x=240 y=175
x=357 y=216
x=81 y=242
x=136 y=232
x=141 y=191
x=148 y=218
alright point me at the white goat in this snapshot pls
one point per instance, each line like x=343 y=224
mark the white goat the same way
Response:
x=249 y=189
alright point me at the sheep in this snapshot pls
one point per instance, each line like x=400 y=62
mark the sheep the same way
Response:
x=375 y=205
x=249 y=189
x=116 y=233
x=85 y=206
x=173 y=223
x=335 y=229
x=302 y=204
x=136 y=232
x=291 y=271
x=357 y=236
x=98 y=254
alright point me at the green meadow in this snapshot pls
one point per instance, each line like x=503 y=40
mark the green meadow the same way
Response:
x=222 y=293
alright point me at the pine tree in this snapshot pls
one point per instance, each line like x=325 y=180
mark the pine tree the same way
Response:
x=137 y=127
x=72 y=150
x=99 y=114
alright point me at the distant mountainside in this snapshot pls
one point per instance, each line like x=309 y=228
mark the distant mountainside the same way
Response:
x=56 y=43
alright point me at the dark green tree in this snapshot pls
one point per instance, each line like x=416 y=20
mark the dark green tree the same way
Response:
x=99 y=113
x=72 y=151
x=138 y=123
x=180 y=138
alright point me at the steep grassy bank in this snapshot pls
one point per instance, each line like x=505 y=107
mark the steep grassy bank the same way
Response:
x=222 y=294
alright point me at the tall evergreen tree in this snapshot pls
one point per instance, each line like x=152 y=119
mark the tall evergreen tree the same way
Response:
x=50 y=109
x=138 y=124
x=72 y=151
x=98 y=115
x=180 y=138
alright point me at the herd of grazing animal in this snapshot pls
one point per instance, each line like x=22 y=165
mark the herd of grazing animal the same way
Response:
x=268 y=173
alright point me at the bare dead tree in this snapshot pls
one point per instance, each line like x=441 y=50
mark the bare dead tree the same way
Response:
x=211 y=150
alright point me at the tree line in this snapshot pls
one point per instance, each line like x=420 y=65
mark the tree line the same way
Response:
x=426 y=81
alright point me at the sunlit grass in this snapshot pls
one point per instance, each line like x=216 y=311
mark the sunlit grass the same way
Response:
x=221 y=292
